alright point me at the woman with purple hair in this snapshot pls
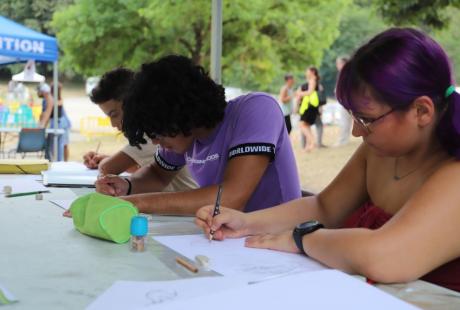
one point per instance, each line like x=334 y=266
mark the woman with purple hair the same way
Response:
x=393 y=213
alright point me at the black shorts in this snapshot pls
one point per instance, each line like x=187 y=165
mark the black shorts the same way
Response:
x=309 y=116
x=287 y=120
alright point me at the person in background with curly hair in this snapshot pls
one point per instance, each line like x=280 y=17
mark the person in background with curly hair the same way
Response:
x=393 y=213
x=242 y=145
x=108 y=95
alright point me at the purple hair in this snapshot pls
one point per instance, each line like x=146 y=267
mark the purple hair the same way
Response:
x=399 y=65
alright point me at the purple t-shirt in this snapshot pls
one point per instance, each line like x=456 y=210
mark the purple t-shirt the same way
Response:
x=253 y=124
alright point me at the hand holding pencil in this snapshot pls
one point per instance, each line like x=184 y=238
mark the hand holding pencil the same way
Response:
x=219 y=223
x=92 y=159
x=216 y=209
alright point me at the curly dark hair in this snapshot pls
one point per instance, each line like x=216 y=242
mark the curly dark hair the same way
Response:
x=113 y=85
x=171 y=96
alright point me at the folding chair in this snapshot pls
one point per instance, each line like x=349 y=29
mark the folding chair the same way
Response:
x=31 y=140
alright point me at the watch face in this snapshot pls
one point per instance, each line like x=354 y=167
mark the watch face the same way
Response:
x=307 y=225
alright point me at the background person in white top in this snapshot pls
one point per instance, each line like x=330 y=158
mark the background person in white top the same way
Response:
x=108 y=95
x=345 y=118
x=286 y=98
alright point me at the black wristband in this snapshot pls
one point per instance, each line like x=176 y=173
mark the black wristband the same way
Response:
x=130 y=186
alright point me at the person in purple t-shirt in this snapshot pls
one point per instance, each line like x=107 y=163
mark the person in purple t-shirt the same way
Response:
x=242 y=144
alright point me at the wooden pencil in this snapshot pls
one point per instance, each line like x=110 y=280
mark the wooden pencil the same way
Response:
x=186 y=265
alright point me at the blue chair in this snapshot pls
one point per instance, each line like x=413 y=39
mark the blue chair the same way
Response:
x=32 y=140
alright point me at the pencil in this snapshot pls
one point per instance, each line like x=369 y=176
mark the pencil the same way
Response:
x=25 y=194
x=216 y=210
x=97 y=147
x=186 y=265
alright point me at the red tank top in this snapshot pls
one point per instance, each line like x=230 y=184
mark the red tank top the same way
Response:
x=372 y=217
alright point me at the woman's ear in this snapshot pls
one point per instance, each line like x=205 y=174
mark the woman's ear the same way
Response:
x=425 y=110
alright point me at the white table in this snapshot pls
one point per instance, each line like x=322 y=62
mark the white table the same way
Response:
x=47 y=264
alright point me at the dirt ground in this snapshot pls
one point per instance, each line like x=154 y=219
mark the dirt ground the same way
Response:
x=319 y=167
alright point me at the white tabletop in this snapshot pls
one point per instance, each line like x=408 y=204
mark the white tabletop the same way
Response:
x=47 y=264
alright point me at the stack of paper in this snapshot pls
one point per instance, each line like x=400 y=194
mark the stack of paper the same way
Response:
x=253 y=279
x=327 y=289
x=69 y=174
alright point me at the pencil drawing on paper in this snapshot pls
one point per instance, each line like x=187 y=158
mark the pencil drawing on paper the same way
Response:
x=268 y=269
x=158 y=296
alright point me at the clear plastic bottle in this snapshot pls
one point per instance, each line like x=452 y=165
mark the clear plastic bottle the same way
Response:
x=139 y=229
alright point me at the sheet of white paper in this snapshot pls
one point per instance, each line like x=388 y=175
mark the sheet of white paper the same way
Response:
x=70 y=173
x=22 y=184
x=6 y=297
x=63 y=203
x=68 y=166
x=231 y=258
x=327 y=289
x=70 y=178
x=132 y=295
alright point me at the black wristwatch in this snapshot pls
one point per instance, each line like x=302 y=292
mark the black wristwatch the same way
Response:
x=303 y=229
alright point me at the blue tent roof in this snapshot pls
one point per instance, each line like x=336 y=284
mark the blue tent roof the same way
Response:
x=19 y=43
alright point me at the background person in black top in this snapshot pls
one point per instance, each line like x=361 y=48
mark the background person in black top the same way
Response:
x=308 y=117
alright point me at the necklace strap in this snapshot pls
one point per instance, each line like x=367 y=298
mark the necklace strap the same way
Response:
x=397 y=177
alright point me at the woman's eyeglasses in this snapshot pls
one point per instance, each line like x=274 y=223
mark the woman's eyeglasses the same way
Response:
x=366 y=122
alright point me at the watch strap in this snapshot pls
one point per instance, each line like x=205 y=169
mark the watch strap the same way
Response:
x=299 y=233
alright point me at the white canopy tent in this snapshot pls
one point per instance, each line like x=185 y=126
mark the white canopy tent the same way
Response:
x=29 y=74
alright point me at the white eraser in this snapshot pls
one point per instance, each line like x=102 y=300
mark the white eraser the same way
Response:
x=203 y=261
x=7 y=189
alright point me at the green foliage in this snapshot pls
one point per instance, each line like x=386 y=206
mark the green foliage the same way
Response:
x=262 y=39
x=35 y=14
x=358 y=24
x=449 y=39
x=422 y=13
x=99 y=35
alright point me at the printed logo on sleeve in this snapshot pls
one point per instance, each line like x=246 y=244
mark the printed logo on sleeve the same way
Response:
x=164 y=164
x=211 y=157
x=253 y=149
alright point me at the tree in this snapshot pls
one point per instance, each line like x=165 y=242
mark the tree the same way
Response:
x=426 y=14
x=358 y=24
x=35 y=14
x=449 y=38
x=261 y=38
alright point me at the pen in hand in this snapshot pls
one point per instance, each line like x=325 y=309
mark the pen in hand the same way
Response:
x=216 y=209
